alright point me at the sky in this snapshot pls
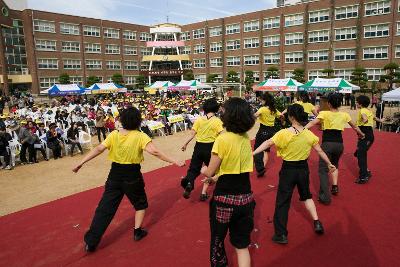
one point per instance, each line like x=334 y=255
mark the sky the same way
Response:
x=148 y=12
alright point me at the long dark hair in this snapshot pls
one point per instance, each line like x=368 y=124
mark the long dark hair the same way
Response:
x=296 y=111
x=304 y=97
x=269 y=102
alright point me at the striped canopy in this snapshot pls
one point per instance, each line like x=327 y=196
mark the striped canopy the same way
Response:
x=106 y=88
x=329 y=85
x=275 y=85
x=64 y=89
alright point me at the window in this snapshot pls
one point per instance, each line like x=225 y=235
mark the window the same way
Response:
x=215 y=31
x=346 y=33
x=293 y=38
x=47 y=63
x=398 y=28
x=186 y=65
x=313 y=74
x=130 y=80
x=130 y=50
x=293 y=20
x=346 y=12
x=185 y=36
x=318 y=56
x=70 y=46
x=377 y=8
x=129 y=35
x=45 y=45
x=251 y=26
x=146 y=51
x=272 y=40
x=344 y=74
x=91 y=48
x=344 y=54
x=92 y=64
x=72 y=64
x=91 y=31
x=233 y=61
x=375 y=52
x=131 y=65
x=186 y=50
x=112 y=49
x=199 y=63
x=318 y=36
x=76 y=80
x=145 y=37
x=43 y=26
x=216 y=47
x=67 y=28
x=318 y=16
x=113 y=64
x=294 y=57
x=215 y=62
x=271 y=59
x=251 y=43
x=397 y=51
x=256 y=76
x=201 y=77
x=267 y=75
x=198 y=34
x=288 y=74
x=232 y=44
x=232 y=28
x=46 y=82
x=144 y=65
x=379 y=30
x=375 y=74
x=271 y=23
x=199 y=49
x=251 y=60
x=111 y=33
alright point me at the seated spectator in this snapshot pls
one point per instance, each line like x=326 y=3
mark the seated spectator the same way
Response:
x=4 y=145
x=54 y=140
x=73 y=138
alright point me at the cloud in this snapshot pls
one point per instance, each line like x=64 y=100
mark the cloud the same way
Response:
x=204 y=7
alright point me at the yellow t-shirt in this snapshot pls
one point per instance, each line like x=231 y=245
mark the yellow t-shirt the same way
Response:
x=333 y=120
x=369 y=115
x=235 y=152
x=207 y=130
x=126 y=149
x=294 y=147
x=308 y=107
x=266 y=117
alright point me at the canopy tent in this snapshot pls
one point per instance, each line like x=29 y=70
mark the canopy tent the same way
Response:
x=274 y=85
x=64 y=89
x=106 y=88
x=329 y=85
x=158 y=85
x=189 y=86
x=392 y=96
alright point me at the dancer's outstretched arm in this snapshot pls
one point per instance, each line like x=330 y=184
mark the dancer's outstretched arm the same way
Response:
x=91 y=155
x=153 y=150
x=267 y=144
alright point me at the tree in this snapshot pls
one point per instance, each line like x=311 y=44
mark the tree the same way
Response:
x=140 y=81
x=273 y=73
x=360 y=78
x=392 y=75
x=188 y=75
x=329 y=73
x=298 y=75
x=64 y=79
x=249 y=79
x=211 y=78
x=232 y=77
x=92 y=80
x=117 y=78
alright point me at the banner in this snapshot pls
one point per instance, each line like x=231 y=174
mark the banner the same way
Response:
x=175 y=118
x=155 y=125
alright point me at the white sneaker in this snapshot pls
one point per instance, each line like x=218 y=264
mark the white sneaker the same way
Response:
x=8 y=167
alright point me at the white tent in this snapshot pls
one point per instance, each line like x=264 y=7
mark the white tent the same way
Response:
x=189 y=85
x=64 y=89
x=106 y=88
x=393 y=95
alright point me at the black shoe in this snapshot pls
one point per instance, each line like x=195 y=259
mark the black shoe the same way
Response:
x=361 y=180
x=188 y=189
x=184 y=182
x=318 y=228
x=139 y=234
x=89 y=248
x=280 y=239
x=369 y=174
x=355 y=154
x=324 y=202
x=203 y=197
x=335 y=190
x=260 y=174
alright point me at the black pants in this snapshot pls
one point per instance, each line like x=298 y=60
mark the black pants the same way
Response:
x=101 y=130
x=56 y=149
x=4 y=153
x=263 y=134
x=73 y=147
x=363 y=146
x=292 y=174
x=31 y=152
x=201 y=154
x=41 y=151
x=334 y=151
x=123 y=179
x=238 y=219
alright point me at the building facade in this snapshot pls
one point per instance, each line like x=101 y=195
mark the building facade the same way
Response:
x=336 y=34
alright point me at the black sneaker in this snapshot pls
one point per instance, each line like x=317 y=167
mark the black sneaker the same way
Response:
x=188 y=189
x=318 y=228
x=203 y=197
x=324 y=202
x=139 y=234
x=280 y=239
x=260 y=174
x=335 y=190
x=89 y=248
x=184 y=182
x=369 y=174
x=361 y=180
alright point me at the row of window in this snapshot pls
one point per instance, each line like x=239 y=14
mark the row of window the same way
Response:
x=46 y=82
x=92 y=64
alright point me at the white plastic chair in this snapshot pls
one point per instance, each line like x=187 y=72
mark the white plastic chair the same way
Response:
x=14 y=149
x=85 y=139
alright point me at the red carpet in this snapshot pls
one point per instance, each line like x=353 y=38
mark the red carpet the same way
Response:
x=361 y=224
